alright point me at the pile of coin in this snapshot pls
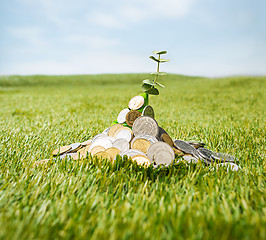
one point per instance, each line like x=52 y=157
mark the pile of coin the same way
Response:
x=137 y=135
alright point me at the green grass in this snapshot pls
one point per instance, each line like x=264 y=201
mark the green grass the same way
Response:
x=88 y=199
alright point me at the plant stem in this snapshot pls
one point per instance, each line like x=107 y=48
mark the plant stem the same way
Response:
x=158 y=65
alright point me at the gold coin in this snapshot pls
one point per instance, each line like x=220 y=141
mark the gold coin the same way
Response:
x=96 y=149
x=113 y=129
x=141 y=144
x=178 y=152
x=131 y=117
x=82 y=151
x=76 y=156
x=86 y=142
x=61 y=150
x=87 y=149
x=167 y=139
x=136 y=102
x=112 y=152
x=40 y=162
x=141 y=160
x=102 y=155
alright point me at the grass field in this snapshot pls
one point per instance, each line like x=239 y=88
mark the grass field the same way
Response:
x=88 y=199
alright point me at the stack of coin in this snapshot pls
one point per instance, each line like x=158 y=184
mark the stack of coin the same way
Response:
x=137 y=135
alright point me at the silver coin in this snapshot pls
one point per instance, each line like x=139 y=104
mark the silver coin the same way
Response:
x=189 y=158
x=223 y=157
x=121 y=144
x=104 y=142
x=205 y=153
x=145 y=125
x=121 y=118
x=229 y=165
x=132 y=152
x=105 y=131
x=185 y=147
x=148 y=111
x=74 y=147
x=100 y=135
x=136 y=102
x=196 y=144
x=150 y=138
x=65 y=155
x=159 y=146
x=125 y=134
x=163 y=157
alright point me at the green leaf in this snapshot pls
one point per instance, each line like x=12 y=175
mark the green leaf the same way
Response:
x=153 y=91
x=148 y=81
x=146 y=87
x=158 y=73
x=154 y=59
x=159 y=52
x=159 y=84
x=163 y=60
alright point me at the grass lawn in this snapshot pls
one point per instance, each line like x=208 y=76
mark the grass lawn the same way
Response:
x=88 y=199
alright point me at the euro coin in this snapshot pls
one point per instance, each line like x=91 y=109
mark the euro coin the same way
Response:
x=141 y=144
x=148 y=111
x=121 y=118
x=141 y=160
x=112 y=152
x=125 y=133
x=102 y=155
x=61 y=150
x=145 y=125
x=113 y=129
x=136 y=102
x=96 y=149
x=122 y=144
x=131 y=117
x=157 y=147
x=164 y=158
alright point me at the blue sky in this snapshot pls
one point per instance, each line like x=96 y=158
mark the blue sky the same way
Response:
x=202 y=37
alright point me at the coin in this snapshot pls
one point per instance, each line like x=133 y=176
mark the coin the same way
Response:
x=61 y=150
x=177 y=152
x=121 y=118
x=96 y=149
x=113 y=129
x=159 y=146
x=148 y=111
x=131 y=152
x=85 y=143
x=112 y=152
x=185 y=147
x=65 y=155
x=163 y=157
x=189 y=158
x=150 y=138
x=76 y=156
x=100 y=135
x=141 y=160
x=206 y=154
x=167 y=139
x=136 y=102
x=102 y=155
x=145 y=125
x=122 y=144
x=229 y=165
x=82 y=151
x=40 y=162
x=104 y=142
x=223 y=157
x=141 y=144
x=131 y=117
x=125 y=133
x=74 y=147
x=196 y=144
x=105 y=131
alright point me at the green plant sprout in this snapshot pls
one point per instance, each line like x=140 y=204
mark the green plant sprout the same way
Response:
x=148 y=85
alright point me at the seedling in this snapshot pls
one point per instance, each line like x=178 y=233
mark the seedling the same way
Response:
x=148 y=85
